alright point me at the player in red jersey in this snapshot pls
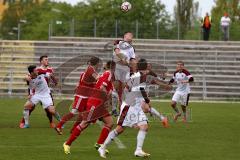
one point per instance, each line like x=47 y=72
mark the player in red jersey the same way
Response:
x=43 y=69
x=96 y=108
x=88 y=79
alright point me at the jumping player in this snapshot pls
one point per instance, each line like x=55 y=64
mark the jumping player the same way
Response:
x=124 y=56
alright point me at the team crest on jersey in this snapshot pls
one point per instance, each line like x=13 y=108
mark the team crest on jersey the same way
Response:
x=124 y=45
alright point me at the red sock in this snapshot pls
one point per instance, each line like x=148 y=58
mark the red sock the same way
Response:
x=103 y=135
x=22 y=120
x=76 y=132
x=64 y=119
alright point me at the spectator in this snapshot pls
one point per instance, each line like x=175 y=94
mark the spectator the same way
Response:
x=225 y=22
x=206 y=25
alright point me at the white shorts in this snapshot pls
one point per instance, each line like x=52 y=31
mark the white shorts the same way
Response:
x=46 y=100
x=131 y=116
x=181 y=97
x=122 y=73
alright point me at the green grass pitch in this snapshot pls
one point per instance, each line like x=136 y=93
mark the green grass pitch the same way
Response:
x=213 y=134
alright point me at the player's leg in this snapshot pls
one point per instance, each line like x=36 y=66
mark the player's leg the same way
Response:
x=111 y=136
x=22 y=121
x=108 y=124
x=117 y=131
x=78 y=102
x=50 y=118
x=76 y=132
x=114 y=103
x=47 y=103
x=77 y=122
x=143 y=128
x=176 y=97
x=26 y=112
x=149 y=109
x=184 y=105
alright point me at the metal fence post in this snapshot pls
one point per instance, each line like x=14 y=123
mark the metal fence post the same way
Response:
x=19 y=30
x=72 y=27
x=10 y=77
x=136 y=29
x=95 y=28
x=116 y=28
x=157 y=30
x=178 y=25
x=204 y=85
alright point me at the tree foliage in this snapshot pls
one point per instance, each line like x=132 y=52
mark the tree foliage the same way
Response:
x=102 y=15
x=185 y=15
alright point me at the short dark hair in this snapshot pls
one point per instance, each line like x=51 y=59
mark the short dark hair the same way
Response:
x=94 y=60
x=142 y=64
x=110 y=64
x=31 y=68
x=41 y=58
x=127 y=33
x=181 y=62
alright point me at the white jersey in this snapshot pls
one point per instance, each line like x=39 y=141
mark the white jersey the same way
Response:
x=134 y=86
x=131 y=113
x=127 y=52
x=178 y=77
x=40 y=85
x=225 y=21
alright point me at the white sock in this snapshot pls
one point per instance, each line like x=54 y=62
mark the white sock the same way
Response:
x=154 y=112
x=140 y=139
x=110 y=138
x=114 y=100
x=26 y=116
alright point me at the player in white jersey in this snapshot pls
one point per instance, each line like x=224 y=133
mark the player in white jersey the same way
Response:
x=132 y=114
x=42 y=69
x=41 y=94
x=124 y=57
x=182 y=78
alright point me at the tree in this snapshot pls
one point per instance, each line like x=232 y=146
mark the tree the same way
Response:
x=143 y=16
x=143 y=19
x=185 y=15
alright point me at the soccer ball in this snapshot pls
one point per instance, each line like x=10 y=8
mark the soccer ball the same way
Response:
x=126 y=6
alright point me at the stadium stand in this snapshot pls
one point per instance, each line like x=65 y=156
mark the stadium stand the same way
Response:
x=215 y=65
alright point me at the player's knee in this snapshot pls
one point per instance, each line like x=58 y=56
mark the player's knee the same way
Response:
x=51 y=109
x=28 y=106
x=109 y=124
x=144 y=127
x=173 y=104
x=145 y=108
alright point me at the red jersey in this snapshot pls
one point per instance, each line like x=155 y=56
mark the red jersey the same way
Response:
x=87 y=79
x=95 y=105
x=42 y=70
x=106 y=80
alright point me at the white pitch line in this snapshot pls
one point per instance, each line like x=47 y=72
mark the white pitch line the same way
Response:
x=118 y=142
x=197 y=101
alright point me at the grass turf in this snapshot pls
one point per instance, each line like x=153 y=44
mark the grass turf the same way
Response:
x=213 y=134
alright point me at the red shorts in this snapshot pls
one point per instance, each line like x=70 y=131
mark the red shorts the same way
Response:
x=95 y=110
x=80 y=103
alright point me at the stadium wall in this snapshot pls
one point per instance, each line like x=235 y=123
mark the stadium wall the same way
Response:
x=214 y=65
